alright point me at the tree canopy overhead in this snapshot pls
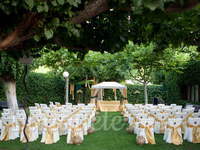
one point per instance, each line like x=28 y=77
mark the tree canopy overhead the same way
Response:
x=101 y=25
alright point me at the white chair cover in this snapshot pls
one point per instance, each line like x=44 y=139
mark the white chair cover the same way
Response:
x=50 y=133
x=10 y=129
x=74 y=129
x=173 y=132
x=192 y=132
x=160 y=122
x=146 y=130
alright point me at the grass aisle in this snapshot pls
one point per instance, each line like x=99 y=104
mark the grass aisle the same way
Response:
x=110 y=135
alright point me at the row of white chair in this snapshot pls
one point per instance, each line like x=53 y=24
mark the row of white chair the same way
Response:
x=148 y=117
x=49 y=120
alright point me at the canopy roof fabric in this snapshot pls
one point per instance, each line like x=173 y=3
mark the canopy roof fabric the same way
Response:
x=108 y=85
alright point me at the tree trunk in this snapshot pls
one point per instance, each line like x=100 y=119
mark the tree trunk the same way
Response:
x=145 y=93
x=10 y=91
x=188 y=93
x=196 y=93
x=192 y=93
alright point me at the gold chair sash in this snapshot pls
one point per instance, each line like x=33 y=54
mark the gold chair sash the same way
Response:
x=49 y=134
x=175 y=136
x=27 y=131
x=61 y=126
x=149 y=135
x=195 y=133
x=162 y=124
x=74 y=132
x=6 y=131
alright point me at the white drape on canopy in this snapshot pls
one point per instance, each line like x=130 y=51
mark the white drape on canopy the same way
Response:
x=98 y=89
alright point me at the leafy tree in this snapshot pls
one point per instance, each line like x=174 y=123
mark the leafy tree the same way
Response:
x=94 y=65
x=173 y=74
x=33 y=24
x=10 y=69
x=141 y=61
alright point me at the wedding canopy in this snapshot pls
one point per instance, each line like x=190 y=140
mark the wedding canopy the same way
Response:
x=108 y=85
x=97 y=90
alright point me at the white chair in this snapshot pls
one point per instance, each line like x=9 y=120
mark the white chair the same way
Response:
x=172 y=105
x=69 y=104
x=37 y=105
x=160 y=123
x=196 y=115
x=137 y=119
x=192 y=132
x=45 y=109
x=49 y=115
x=10 y=129
x=7 y=116
x=146 y=130
x=153 y=113
x=43 y=105
x=177 y=108
x=173 y=132
x=189 y=106
x=80 y=105
x=31 y=131
x=34 y=112
x=188 y=110
x=57 y=104
x=50 y=133
x=132 y=113
x=32 y=108
x=0 y=125
x=62 y=124
x=58 y=110
x=184 y=117
x=51 y=103
x=75 y=130
x=40 y=119
x=7 y=111
x=20 y=112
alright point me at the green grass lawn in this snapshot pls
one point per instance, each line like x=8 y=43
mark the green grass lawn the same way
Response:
x=110 y=135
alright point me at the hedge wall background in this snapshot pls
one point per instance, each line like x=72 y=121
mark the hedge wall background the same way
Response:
x=43 y=88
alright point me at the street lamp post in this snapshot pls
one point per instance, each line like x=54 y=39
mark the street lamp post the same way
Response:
x=66 y=76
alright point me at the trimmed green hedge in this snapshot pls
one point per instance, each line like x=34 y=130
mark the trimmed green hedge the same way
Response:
x=136 y=93
x=43 y=88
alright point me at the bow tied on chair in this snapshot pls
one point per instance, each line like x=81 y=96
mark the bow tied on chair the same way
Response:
x=7 y=131
x=49 y=139
x=148 y=132
x=195 y=132
x=176 y=137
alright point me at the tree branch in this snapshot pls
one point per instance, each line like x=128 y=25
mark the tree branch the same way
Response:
x=177 y=7
x=21 y=32
x=135 y=77
x=93 y=9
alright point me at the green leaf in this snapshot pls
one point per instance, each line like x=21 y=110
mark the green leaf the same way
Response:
x=36 y=38
x=56 y=21
x=153 y=4
x=46 y=7
x=61 y=2
x=74 y=2
x=48 y=33
x=39 y=8
x=29 y=3
x=54 y=3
